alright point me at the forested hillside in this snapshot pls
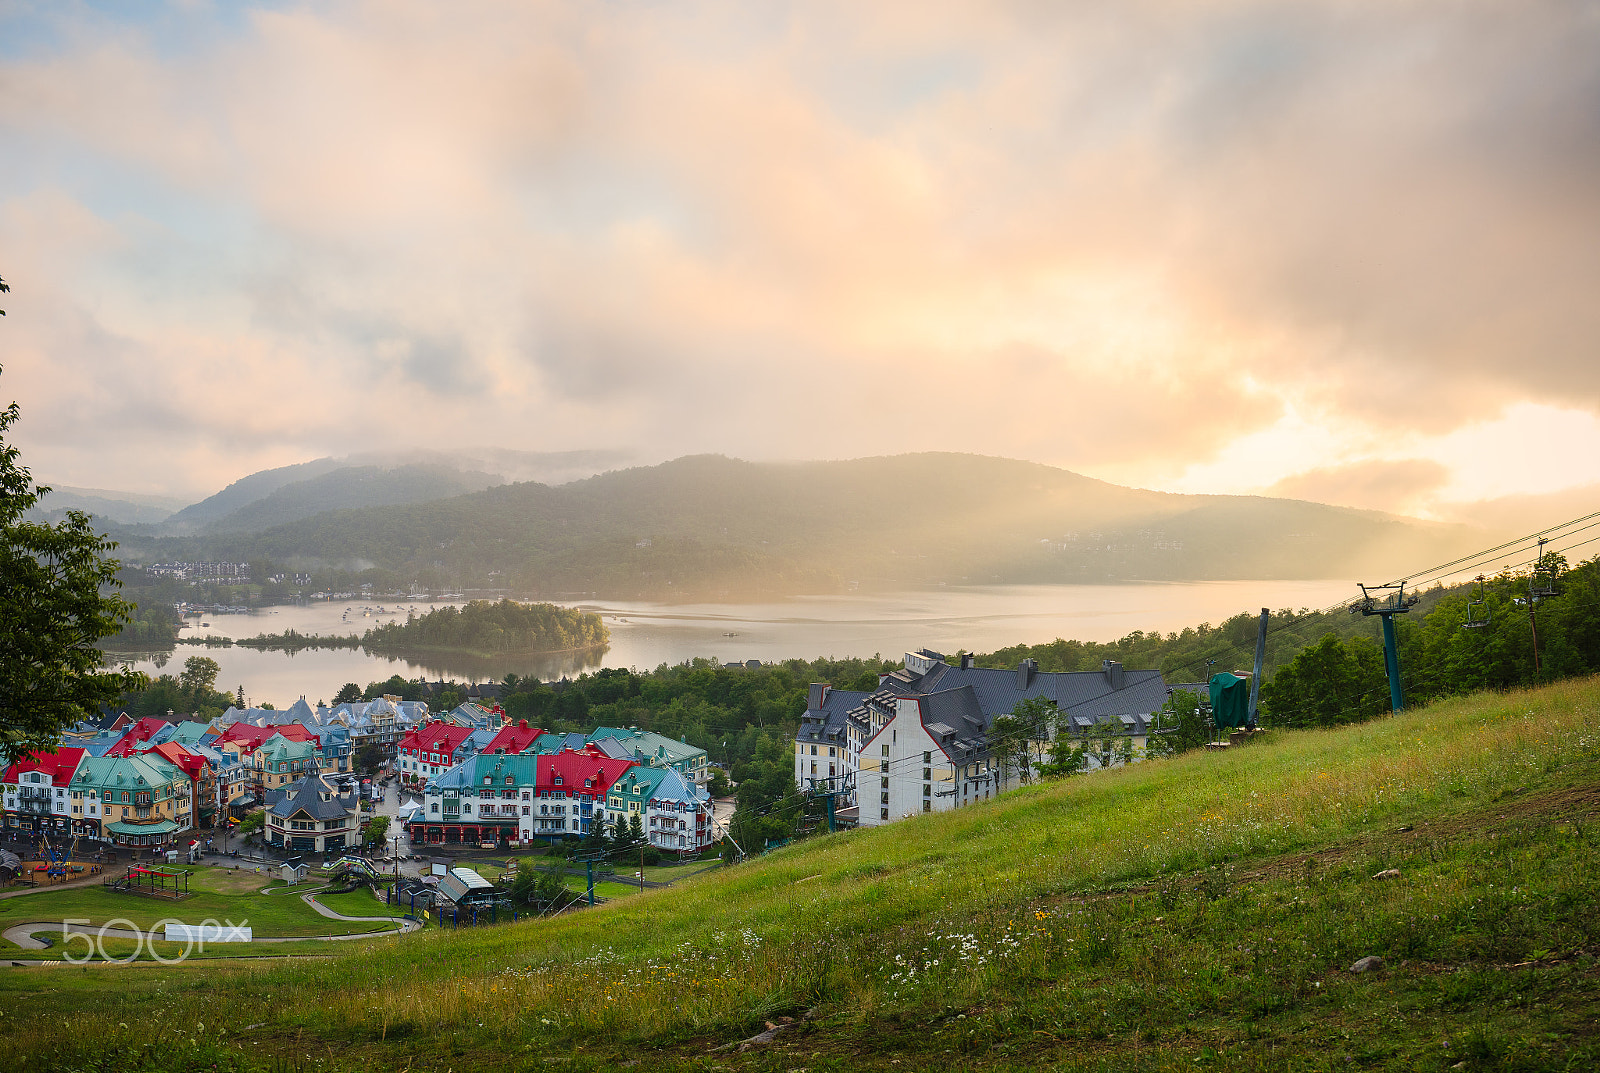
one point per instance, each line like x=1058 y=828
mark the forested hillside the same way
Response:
x=713 y=527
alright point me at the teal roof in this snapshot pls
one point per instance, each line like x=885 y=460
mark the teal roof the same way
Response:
x=279 y=747
x=640 y=782
x=160 y=827
x=146 y=770
x=647 y=745
x=189 y=732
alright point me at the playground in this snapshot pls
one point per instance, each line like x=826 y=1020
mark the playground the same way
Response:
x=52 y=865
x=152 y=881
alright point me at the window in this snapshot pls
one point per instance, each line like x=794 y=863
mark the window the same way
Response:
x=927 y=791
x=813 y=750
x=927 y=806
x=524 y=808
x=927 y=773
x=883 y=784
x=883 y=765
x=883 y=799
x=813 y=767
x=434 y=807
x=885 y=750
x=883 y=814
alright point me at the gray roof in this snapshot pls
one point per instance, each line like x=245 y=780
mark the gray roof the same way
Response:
x=827 y=717
x=306 y=796
x=960 y=703
x=459 y=883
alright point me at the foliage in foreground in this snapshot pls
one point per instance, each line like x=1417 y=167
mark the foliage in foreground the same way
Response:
x=1172 y=914
x=58 y=599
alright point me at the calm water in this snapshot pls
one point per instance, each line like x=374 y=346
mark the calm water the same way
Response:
x=645 y=635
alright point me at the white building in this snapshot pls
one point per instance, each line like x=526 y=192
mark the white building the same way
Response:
x=922 y=741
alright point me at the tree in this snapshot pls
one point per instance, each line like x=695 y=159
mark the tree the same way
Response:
x=1182 y=726
x=348 y=693
x=199 y=674
x=1330 y=683
x=251 y=823
x=378 y=830
x=369 y=756
x=58 y=599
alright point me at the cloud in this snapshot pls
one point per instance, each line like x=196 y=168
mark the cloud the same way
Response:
x=1114 y=237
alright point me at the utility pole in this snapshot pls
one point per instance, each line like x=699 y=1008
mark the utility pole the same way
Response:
x=1397 y=604
x=1261 y=656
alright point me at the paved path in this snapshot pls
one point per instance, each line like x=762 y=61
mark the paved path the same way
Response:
x=23 y=934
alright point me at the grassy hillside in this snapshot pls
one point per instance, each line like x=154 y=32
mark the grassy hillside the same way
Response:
x=1199 y=912
x=713 y=527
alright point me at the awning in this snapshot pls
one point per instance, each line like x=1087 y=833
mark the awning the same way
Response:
x=161 y=827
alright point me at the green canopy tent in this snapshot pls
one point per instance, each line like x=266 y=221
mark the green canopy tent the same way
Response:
x=1230 y=700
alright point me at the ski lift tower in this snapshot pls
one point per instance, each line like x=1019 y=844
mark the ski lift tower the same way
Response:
x=1388 y=606
x=828 y=791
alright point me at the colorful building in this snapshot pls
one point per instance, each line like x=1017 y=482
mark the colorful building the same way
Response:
x=139 y=800
x=36 y=792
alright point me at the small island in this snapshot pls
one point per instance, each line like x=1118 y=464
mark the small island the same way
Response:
x=483 y=628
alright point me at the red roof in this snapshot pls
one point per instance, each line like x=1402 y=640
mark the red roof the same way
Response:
x=251 y=737
x=437 y=737
x=513 y=739
x=575 y=767
x=191 y=763
x=137 y=734
x=59 y=765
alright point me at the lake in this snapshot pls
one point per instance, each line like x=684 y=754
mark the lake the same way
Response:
x=645 y=635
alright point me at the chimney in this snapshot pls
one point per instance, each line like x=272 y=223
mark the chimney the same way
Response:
x=966 y=661
x=523 y=723
x=1025 y=671
x=1113 y=672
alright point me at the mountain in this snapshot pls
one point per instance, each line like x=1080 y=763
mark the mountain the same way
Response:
x=715 y=527
x=352 y=486
x=126 y=508
x=242 y=493
x=385 y=479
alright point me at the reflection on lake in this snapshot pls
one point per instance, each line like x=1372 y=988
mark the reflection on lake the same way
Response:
x=644 y=635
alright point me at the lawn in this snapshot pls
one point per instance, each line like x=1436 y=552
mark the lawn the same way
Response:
x=219 y=893
x=602 y=888
x=357 y=903
x=1201 y=912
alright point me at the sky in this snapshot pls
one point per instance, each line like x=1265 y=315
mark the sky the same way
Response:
x=1341 y=251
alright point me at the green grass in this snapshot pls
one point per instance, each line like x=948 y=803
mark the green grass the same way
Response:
x=1189 y=914
x=356 y=903
x=603 y=888
x=218 y=893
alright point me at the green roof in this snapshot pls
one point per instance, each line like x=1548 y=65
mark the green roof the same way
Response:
x=644 y=781
x=161 y=827
x=649 y=745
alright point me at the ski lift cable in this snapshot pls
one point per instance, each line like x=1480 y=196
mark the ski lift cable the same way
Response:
x=1454 y=566
x=1487 y=560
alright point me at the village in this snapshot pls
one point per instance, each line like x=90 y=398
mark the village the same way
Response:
x=446 y=805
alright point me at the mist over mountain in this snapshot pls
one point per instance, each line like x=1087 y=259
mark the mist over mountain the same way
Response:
x=375 y=479
x=715 y=527
x=126 y=508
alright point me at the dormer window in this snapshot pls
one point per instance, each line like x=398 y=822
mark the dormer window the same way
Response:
x=558 y=780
